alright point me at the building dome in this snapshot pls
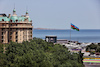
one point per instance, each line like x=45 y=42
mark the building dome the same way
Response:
x=26 y=12
x=14 y=18
x=4 y=19
x=29 y=19
x=14 y=10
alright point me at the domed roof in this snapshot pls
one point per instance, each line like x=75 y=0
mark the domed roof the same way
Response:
x=29 y=19
x=26 y=12
x=14 y=10
x=21 y=18
x=13 y=18
x=4 y=18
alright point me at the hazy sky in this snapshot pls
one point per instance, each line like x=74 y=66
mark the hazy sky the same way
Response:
x=57 y=14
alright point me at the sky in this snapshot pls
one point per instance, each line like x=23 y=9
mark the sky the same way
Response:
x=57 y=14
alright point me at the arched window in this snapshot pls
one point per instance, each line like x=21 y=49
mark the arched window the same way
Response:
x=10 y=20
x=2 y=19
x=16 y=20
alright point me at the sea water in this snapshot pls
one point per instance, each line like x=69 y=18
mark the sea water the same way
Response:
x=81 y=36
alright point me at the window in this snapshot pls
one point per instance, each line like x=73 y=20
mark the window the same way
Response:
x=2 y=37
x=16 y=37
x=10 y=37
x=31 y=32
x=16 y=33
x=2 y=29
x=31 y=29
x=10 y=29
x=2 y=24
x=2 y=33
x=10 y=20
x=16 y=40
x=2 y=40
x=16 y=20
x=16 y=28
x=10 y=33
x=2 y=19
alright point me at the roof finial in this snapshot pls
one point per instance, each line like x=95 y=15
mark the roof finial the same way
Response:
x=14 y=5
x=26 y=9
x=14 y=11
x=14 y=8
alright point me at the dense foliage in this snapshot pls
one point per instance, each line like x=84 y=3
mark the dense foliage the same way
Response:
x=95 y=47
x=38 y=53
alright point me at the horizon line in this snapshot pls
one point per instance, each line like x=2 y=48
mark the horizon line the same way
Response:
x=59 y=29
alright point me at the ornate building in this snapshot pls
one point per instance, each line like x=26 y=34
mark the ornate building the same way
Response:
x=15 y=28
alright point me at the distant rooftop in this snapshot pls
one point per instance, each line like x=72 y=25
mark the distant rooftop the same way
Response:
x=14 y=17
x=51 y=36
x=3 y=15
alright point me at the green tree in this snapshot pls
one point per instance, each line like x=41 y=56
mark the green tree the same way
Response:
x=38 y=53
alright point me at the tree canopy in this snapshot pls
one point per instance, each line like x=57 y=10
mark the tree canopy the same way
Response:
x=38 y=53
x=92 y=46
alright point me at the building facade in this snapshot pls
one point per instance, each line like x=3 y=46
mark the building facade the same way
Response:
x=52 y=39
x=15 y=28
